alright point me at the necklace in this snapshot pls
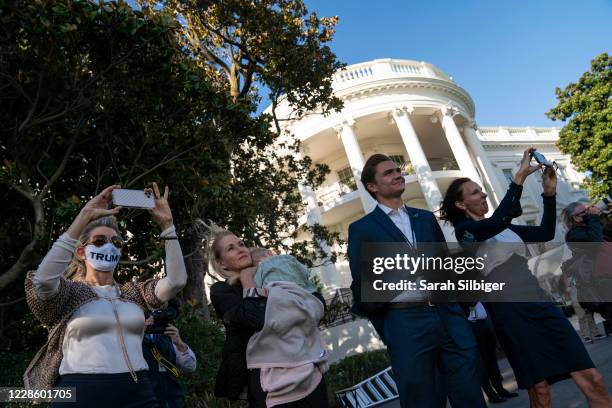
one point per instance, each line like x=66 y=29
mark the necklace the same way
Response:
x=126 y=357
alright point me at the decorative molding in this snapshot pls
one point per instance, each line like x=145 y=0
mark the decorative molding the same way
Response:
x=401 y=110
x=449 y=110
x=349 y=122
x=471 y=124
x=433 y=84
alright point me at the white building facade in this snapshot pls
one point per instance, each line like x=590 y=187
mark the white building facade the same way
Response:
x=417 y=115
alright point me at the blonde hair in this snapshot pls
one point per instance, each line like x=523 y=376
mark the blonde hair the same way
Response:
x=76 y=270
x=214 y=254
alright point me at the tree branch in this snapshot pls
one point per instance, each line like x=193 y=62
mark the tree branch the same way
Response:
x=25 y=261
x=145 y=261
x=60 y=169
x=158 y=165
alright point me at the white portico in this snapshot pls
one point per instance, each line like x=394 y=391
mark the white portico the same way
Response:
x=417 y=115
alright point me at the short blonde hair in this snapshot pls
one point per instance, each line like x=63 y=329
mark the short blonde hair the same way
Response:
x=214 y=255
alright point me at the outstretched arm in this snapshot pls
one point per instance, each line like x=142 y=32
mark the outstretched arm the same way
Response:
x=176 y=273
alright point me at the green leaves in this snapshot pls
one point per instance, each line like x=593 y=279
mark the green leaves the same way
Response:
x=119 y=96
x=587 y=136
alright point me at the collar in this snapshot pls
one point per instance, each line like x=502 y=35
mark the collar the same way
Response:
x=388 y=210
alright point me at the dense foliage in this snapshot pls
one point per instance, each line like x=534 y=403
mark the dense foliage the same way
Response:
x=97 y=93
x=587 y=136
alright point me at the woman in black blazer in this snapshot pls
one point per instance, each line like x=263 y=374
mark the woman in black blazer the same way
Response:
x=540 y=343
x=242 y=308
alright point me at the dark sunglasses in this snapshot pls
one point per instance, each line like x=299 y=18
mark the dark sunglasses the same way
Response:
x=101 y=240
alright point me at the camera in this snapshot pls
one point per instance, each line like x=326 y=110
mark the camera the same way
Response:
x=603 y=204
x=161 y=319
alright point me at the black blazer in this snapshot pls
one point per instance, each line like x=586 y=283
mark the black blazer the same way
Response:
x=241 y=317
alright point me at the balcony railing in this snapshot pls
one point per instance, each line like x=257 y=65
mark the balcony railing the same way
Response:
x=330 y=194
x=385 y=69
x=443 y=164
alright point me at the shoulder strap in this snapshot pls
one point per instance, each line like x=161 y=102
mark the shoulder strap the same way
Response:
x=163 y=361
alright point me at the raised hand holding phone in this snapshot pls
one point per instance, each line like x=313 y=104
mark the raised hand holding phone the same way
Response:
x=161 y=213
x=526 y=168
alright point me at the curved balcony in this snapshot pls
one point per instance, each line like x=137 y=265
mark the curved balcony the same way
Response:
x=382 y=69
x=335 y=198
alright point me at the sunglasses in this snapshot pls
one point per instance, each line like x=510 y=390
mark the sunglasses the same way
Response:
x=101 y=240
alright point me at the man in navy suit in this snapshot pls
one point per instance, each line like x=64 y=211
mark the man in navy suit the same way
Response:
x=431 y=345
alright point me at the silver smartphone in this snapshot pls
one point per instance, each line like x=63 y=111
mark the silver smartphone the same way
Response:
x=133 y=198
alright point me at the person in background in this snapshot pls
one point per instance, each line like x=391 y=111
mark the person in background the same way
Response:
x=586 y=319
x=487 y=342
x=168 y=356
x=589 y=276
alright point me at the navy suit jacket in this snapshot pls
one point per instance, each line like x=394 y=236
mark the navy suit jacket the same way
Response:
x=378 y=227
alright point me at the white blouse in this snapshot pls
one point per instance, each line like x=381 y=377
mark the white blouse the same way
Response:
x=500 y=248
x=91 y=343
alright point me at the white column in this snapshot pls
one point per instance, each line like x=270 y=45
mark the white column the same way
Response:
x=428 y=183
x=488 y=170
x=346 y=131
x=328 y=273
x=456 y=144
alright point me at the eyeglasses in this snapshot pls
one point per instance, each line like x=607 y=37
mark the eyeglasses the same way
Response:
x=100 y=240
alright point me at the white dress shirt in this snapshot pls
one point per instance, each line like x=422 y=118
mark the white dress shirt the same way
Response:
x=401 y=219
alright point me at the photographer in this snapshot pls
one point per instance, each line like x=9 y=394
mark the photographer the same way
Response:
x=96 y=325
x=593 y=276
x=168 y=356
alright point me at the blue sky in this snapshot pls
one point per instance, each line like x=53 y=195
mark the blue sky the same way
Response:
x=509 y=55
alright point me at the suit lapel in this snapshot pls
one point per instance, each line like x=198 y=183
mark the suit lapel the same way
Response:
x=415 y=223
x=385 y=222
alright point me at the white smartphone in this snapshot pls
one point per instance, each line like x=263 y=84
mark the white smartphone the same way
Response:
x=133 y=198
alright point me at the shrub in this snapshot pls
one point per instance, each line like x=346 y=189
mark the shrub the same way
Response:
x=354 y=369
x=206 y=340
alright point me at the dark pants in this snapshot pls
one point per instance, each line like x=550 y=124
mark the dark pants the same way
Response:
x=257 y=397
x=421 y=348
x=491 y=376
x=109 y=390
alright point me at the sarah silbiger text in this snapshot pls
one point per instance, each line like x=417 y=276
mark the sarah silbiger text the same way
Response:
x=462 y=284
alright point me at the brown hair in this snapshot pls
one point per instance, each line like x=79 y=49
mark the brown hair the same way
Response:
x=369 y=170
x=214 y=255
x=76 y=270
x=448 y=210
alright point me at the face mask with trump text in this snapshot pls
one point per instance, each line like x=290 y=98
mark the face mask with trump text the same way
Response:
x=104 y=258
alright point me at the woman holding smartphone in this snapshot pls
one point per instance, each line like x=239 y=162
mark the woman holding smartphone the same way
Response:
x=540 y=343
x=96 y=325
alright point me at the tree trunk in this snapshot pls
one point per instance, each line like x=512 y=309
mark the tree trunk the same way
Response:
x=29 y=257
x=194 y=292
